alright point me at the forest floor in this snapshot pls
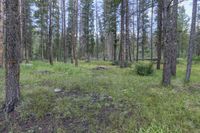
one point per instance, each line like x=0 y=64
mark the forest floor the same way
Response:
x=107 y=99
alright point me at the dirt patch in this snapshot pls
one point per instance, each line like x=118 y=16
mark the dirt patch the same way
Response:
x=96 y=113
x=47 y=83
x=31 y=124
x=194 y=88
x=76 y=92
x=75 y=125
x=101 y=68
x=43 y=72
x=47 y=124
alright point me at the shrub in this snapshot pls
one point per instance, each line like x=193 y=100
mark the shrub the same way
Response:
x=196 y=59
x=144 y=68
x=181 y=61
x=115 y=63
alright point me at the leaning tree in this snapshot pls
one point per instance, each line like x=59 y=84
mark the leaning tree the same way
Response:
x=191 y=42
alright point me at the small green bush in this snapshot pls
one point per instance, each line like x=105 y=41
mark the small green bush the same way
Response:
x=115 y=63
x=196 y=59
x=144 y=68
x=181 y=61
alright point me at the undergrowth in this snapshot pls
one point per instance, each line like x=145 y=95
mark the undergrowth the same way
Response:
x=110 y=100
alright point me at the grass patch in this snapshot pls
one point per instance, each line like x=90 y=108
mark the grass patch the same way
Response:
x=38 y=103
x=111 y=100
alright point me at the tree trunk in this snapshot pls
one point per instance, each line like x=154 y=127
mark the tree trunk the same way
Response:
x=24 y=33
x=74 y=30
x=1 y=33
x=21 y=16
x=102 y=38
x=159 y=33
x=58 y=55
x=133 y=34
x=97 y=36
x=191 y=42
x=12 y=55
x=138 y=29
x=122 y=63
x=174 y=33
x=64 y=30
x=115 y=38
x=167 y=43
x=50 y=48
x=128 y=45
x=46 y=52
x=42 y=34
x=152 y=9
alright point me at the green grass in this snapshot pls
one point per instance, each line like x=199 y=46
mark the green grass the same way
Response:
x=113 y=100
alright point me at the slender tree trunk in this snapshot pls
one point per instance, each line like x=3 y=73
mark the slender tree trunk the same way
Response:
x=64 y=31
x=12 y=62
x=159 y=33
x=87 y=38
x=58 y=55
x=24 y=33
x=42 y=34
x=143 y=27
x=128 y=45
x=81 y=49
x=143 y=39
x=74 y=30
x=46 y=52
x=115 y=48
x=30 y=47
x=115 y=37
x=191 y=42
x=174 y=38
x=97 y=36
x=50 y=48
x=122 y=46
x=133 y=23
x=152 y=9
x=42 y=44
x=138 y=29
x=102 y=38
x=1 y=33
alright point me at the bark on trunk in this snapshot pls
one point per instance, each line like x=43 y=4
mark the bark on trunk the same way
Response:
x=174 y=33
x=74 y=30
x=12 y=55
x=152 y=9
x=159 y=33
x=138 y=29
x=115 y=38
x=50 y=48
x=191 y=42
x=167 y=43
x=128 y=45
x=1 y=33
x=97 y=36
x=64 y=31
x=122 y=36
